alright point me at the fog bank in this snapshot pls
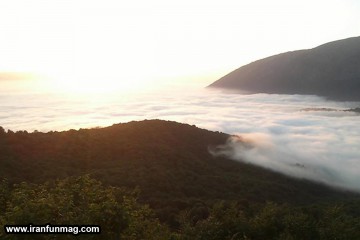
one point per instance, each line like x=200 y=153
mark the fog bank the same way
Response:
x=279 y=134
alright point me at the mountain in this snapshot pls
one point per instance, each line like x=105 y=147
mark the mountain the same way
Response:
x=44 y=179
x=168 y=162
x=331 y=70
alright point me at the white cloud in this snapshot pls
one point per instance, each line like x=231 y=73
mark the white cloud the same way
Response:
x=322 y=146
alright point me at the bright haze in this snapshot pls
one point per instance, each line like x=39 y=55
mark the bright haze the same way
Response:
x=99 y=46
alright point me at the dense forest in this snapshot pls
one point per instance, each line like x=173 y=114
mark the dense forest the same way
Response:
x=157 y=180
x=330 y=70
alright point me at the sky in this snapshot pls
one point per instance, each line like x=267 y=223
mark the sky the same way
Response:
x=64 y=48
x=102 y=45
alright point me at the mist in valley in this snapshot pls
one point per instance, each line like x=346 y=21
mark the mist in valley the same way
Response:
x=314 y=144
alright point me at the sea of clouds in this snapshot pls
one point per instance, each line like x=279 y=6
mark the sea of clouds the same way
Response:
x=285 y=133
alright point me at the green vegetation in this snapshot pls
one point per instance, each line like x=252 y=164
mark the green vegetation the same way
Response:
x=86 y=201
x=78 y=200
x=181 y=191
x=272 y=221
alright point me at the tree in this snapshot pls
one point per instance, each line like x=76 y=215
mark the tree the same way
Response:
x=79 y=201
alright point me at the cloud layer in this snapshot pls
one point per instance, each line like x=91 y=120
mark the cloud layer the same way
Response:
x=317 y=145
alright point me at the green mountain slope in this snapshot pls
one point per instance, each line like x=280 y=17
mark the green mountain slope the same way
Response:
x=331 y=70
x=169 y=162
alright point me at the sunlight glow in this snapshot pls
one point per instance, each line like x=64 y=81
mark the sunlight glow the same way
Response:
x=87 y=84
x=89 y=46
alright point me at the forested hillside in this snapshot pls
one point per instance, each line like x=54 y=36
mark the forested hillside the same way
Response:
x=168 y=164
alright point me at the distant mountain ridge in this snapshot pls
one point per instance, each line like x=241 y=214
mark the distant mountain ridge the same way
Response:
x=331 y=70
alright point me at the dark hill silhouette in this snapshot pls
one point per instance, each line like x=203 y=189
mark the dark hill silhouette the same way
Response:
x=331 y=70
x=168 y=161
